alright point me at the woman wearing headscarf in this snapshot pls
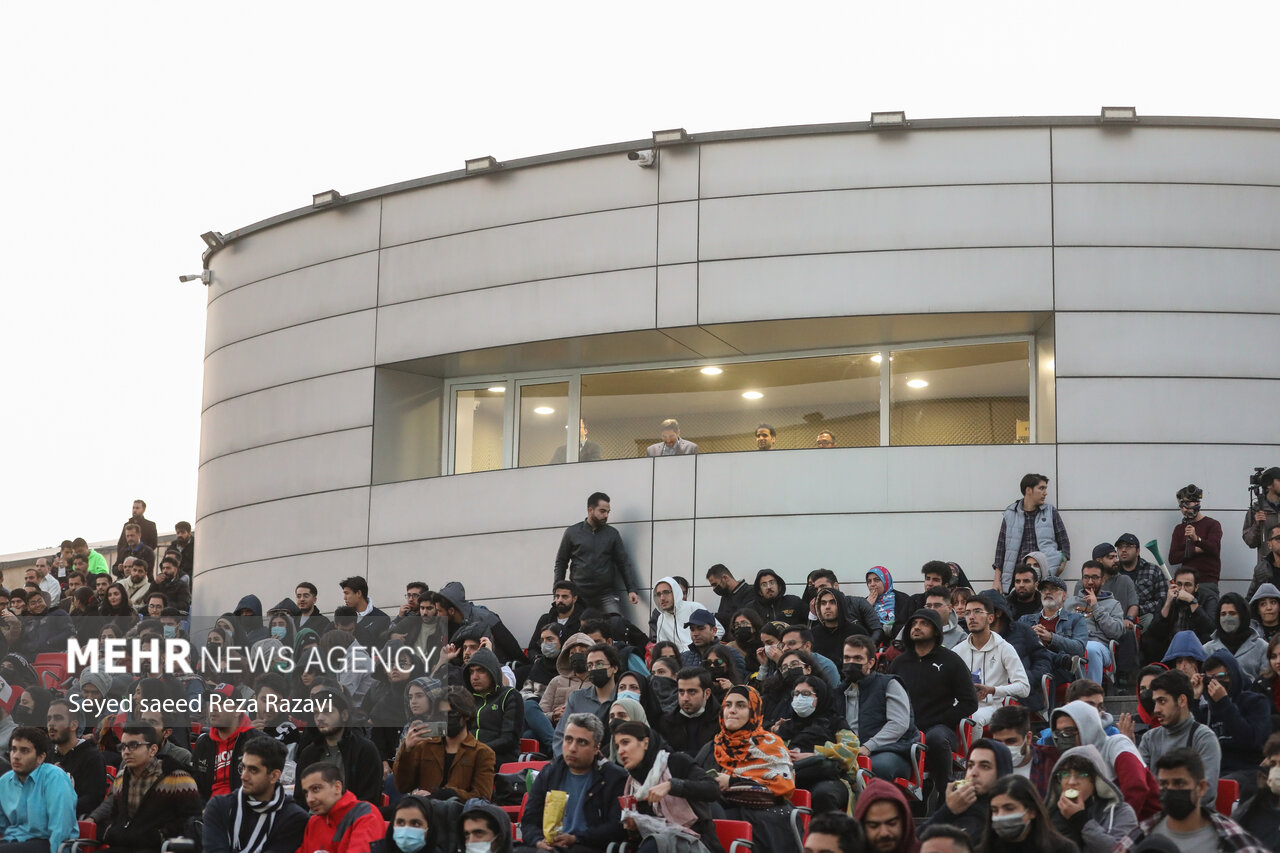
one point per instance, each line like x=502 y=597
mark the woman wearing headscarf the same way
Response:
x=386 y=701
x=753 y=771
x=1085 y=803
x=811 y=719
x=626 y=710
x=724 y=671
x=414 y=828
x=33 y=707
x=669 y=786
x=892 y=607
x=663 y=689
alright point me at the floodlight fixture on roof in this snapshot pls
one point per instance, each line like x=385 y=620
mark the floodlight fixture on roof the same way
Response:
x=328 y=198
x=674 y=136
x=213 y=239
x=894 y=118
x=1119 y=114
x=478 y=165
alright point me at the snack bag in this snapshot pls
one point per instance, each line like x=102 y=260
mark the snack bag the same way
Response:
x=553 y=814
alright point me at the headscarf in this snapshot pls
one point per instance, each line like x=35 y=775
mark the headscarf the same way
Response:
x=752 y=753
x=636 y=714
x=884 y=605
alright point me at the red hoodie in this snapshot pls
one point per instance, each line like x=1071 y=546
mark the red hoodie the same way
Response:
x=879 y=791
x=357 y=838
x=226 y=751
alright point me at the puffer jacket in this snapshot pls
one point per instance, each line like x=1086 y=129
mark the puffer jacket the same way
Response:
x=568 y=681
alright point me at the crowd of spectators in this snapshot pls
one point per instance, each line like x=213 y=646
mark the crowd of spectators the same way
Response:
x=969 y=716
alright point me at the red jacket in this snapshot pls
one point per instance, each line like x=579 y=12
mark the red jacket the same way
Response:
x=357 y=838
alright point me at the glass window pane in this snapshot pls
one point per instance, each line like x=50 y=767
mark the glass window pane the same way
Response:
x=477 y=434
x=718 y=407
x=544 y=412
x=960 y=395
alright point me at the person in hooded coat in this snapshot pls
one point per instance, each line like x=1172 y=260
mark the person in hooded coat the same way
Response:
x=1137 y=785
x=671 y=613
x=251 y=621
x=282 y=623
x=1237 y=636
x=1239 y=718
x=571 y=666
x=832 y=625
x=877 y=792
x=499 y=720
x=978 y=778
x=421 y=825
x=773 y=603
x=498 y=823
x=505 y=646
x=1097 y=817
x=668 y=785
x=386 y=702
x=1259 y=814
x=1266 y=616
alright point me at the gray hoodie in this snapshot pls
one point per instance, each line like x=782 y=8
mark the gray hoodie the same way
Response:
x=1105 y=620
x=1106 y=818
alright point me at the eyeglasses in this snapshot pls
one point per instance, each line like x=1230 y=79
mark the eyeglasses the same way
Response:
x=1070 y=733
x=1064 y=775
x=131 y=745
x=597 y=665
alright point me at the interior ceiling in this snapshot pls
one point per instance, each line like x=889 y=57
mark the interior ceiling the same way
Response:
x=708 y=343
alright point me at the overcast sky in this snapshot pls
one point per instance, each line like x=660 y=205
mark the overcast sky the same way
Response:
x=130 y=128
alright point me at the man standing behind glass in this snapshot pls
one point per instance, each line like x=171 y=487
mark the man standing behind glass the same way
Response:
x=672 y=444
x=592 y=553
x=588 y=451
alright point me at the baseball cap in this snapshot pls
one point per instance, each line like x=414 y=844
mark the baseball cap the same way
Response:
x=1053 y=581
x=700 y=617
x=1103 y=550
x=1128 y=539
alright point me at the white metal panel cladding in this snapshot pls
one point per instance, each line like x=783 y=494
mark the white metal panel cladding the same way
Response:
x=1127 y=278
x=1177 y=155
x=1163 y=344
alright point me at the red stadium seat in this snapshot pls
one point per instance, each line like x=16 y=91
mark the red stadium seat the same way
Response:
x=528 y=744
x=1228 y=796
x=521 y=766
x=915 y=785
x=734 y=835
x=801 y=812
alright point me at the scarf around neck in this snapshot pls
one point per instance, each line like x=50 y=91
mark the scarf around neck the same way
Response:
x=256 y=817
x=753 y=754
x=884 y=605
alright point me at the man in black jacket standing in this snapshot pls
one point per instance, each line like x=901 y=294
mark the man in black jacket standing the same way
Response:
x=146 y=527
x=592 y=552
x=734 y=594
x=941 y=691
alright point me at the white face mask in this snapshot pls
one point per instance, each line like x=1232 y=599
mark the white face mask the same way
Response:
x=1273 y=780
x=479 y=847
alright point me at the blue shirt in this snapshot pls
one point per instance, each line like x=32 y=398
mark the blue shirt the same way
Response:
x=576 y=787
x=42 y=806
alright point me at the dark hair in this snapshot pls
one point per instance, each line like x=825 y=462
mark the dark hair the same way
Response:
x=79 y=543
x=1030 y=481
x=141 y=501
x=1042 y=835
x=66 y=543
x=1024 y=568
x=183 y=526
x=635 y=729
x=1187 y=570
x=986 y=603
x=772 y=432
x=937 y=567
x=671 y=662
x=806 y=635
x=329 y=772
x=723 y=654
x=462 y=701
x=847 y=831
x=954 y=834
x=684 y=583
x=272 y=752
x=74 y=716
x=555 y=628
x=421 y=586
x=596 y=626
x=345 y=615
x=719 y=570
x=172 y=558
x=698 y=672
x=938 y=592
x=164 y=599
x=1082 y=687
x=862 y=641
x=595 y=498
x=805 y=658
x=615 y=660
x=37 y=737
x=1176 y=684
x=132 y=526
x=565 y=584
x=663 y=644
x=147 y=733
x=1015 y=717
x=1183 y=756
x=1093 y=564
x=355 y=583
x=822 y=574
x=308 y=586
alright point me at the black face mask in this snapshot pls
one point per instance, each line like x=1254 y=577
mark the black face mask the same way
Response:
x=1177 y=804
x=248 y=621
x=578 y=662
x=613 y=725
x=791 y=676
x=852 y=672
x=22 y=716
x=722 y=591
x=454 y=725
x=599 y=677
x=717 y=668
x=744 y=635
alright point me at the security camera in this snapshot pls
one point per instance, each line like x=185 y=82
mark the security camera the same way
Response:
x=645 y=158
x=204 y=277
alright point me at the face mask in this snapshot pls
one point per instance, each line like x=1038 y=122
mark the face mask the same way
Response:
x=578 y=662
x=21 y=715
x=453 y=725
x=629 y=694
x=1009 y=826
x=1230 y=624
x=1178 y=804
x=852 y=672
x=170 y=631
x=278 y=631
x=1273 y=780
x=744 y=634
x=717 y=668
x=1063 y=742
x=614 y=723
x=410 y=839
x=479 y=847
x=550 y=649
x=804 y=706
x=791 y=676
x=599 y=677
x=722 y=591
x=247 y=621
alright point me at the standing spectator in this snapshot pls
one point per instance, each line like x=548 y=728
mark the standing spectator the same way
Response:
x=1263 y=515
x=772 y=601
x=588 y=451
x=1268 y=568
x=259 y=817
x=37 y=800
x=174 y=585
x=1031 y=524
x=734 y=594
x=133 y=547
x=216 y=756
x=824 y=439
x=766 y=437
x=672 y=444
x=1172 y=697
x=47 y=582
x=593 y=554
x=996 y=669
x=151 y=799
x=372 y=624
x=184 y=546
x=81 y=758
x=335 y=741
x=339 y=823
x=566 y=612
x=1197 y=544
x=309 y=616
x=146 y=527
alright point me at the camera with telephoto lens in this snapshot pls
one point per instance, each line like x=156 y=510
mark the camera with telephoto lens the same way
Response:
x=1255 y=484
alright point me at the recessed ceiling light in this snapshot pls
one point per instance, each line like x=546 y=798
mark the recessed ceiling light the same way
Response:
x=917 y=383
x=752 y=395
x=878 y=358
x=544 y=410
x=498 y=389
x=711 y=371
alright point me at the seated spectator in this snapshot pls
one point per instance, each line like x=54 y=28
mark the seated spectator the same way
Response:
x=831 y=627
x=47 y=629
x=420 y=825
x=81 y=758
x=941 y=838
x=372 y=625
x=857 y=609
x=745 y=629
x=455 y=765
x=131 y=547
x=811 y=717
x=878 y=710
x=1264 y=606
x=1062 y=632
x=340 y=822
x=704 y=632
x=1268 y=681
x=386 y=703
x=696 y=718
x=593 y=816
x=800 y=638
x=1036 y=659
x=1018 y=821
x=1239 y=718
x=163 y=724
x=891 y=606
x=1011 y=726
x=967 y=803
x=1187 y=815
x=1183 y=610
x=484 y=828
x=536 y=677
x=37 y=800
x=173 y=583
x=116 y=609
x=1024 y=599
x=1172 y=698
x=663 y=693
x=260 y=817
x=1259 y=814
x=150 y=801
x=938 y=599
x=1236 y=635
x=734 y=594
x=335 y=741
x=1103 y=617
x=886 y=819
x=1085 y=804
x=772 y=603
x=724 y=671
x=667 y=785
x=82 y=607
x=136 y=582
x=571 y=669
x=95 y=563
x=459 y=612
x=348 y=656
x=565 y=613
x=753 y=769
x=500 y=709
x=216 y=756
x=997 y=670
x=309 y=616
x=672 y=615
x=1077 y=723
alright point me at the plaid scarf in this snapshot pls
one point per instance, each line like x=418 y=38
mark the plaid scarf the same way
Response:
x=140 y=784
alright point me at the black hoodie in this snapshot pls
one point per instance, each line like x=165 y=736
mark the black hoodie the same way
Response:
x=784 y=608
x=252 y=626
x=939 y=684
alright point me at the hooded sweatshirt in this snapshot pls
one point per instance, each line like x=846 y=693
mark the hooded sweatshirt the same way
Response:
x=783 y=608
x=1265 y=591
x=1249 y=649
x=940 y=687
x=669 y=625
x=216 y=760
x=1184 y=644
x=475 y=808
x=1136 y=783
x=557 y=693
x=252 y=626
x=973 y=820
x=1105 y=819
x=499 y=718
x=503 y=642
x=997 y=665
x=1241 y=720
x=880 y=791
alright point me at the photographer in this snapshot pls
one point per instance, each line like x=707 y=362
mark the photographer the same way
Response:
x=1264 y=511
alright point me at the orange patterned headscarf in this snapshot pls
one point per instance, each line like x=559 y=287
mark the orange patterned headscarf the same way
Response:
x=752 y=754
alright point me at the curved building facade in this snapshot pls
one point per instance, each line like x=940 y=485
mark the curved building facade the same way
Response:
x=393 y=382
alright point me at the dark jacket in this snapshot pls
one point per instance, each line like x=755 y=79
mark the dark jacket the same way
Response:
x=741 y=597
x=789 y=609
x=568 y=629
x=288 y=823
x=162 y=814
x=148 y=534
x=47 y=632
x=88 y=770
x=601 y=809
x=505 y=645
x=495 y=815
x=372 y=628
x=361 y=764
x=177 y=591
x=186 y=555
x=939 y=684
x=598 y=559
x=1037 y=661
x=499 y=718
x=688 y=735
x=692 y=784
x=804 y=733
x=1241 y=719
x=253 y=628
x=857 y=610
x=443 y=827
x=204 y=760
x=973 y=820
